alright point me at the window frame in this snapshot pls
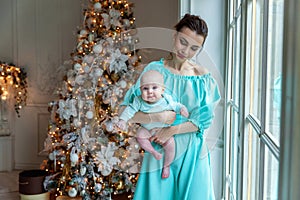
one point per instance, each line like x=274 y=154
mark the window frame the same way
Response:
x=288 y=151
x=246 y=118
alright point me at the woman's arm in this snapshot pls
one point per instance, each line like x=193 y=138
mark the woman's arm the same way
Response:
x=166 y=117
x=166 y=133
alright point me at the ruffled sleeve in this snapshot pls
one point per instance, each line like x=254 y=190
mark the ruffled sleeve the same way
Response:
x=130 y=95
x=203 y=115
x=131 y=109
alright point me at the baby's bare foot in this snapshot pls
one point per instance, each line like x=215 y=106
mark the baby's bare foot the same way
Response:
x=165 y=172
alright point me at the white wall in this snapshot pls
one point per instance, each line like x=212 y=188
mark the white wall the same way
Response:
x=213 y=12
x=158 y=14
x=40 y=35
x=37 y=35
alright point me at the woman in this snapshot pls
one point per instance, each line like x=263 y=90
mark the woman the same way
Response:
x=190 y=172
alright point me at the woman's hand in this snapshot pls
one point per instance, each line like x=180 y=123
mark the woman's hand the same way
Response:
x=161 y=135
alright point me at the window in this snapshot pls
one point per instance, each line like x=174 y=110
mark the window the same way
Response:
x=253 y=57
x=253 y=83
x=255 y=79
x=274 y=65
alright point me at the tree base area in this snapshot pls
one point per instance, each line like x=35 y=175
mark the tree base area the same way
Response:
x=123 y=196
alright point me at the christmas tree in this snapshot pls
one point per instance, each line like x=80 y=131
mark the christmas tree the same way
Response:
x=88 y=156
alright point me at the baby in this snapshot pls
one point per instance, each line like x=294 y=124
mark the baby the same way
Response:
x=153 y=99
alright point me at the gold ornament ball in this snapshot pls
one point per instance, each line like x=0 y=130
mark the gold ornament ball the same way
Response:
x=124 y=50
x=120 y=185
x=115 y=77
x=105 y=3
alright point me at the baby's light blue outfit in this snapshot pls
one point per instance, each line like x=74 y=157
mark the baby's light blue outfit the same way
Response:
x=138 y=104
x=190 y=173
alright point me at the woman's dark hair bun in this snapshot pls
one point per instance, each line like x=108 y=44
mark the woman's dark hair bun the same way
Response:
x=193 y=22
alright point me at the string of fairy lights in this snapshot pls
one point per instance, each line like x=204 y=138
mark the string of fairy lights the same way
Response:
x=13 y=85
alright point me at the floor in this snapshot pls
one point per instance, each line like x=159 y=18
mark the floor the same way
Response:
x=9 y=185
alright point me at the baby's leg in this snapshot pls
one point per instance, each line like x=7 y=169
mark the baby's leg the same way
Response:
x=143 y=136
x=169 y=148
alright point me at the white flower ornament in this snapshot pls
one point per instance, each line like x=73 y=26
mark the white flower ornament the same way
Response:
x=67 y=108
x=112 y=18
x=105 y=159
x=117 y=61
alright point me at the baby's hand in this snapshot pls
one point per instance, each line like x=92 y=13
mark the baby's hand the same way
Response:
x=184 y=112
x=121 y=125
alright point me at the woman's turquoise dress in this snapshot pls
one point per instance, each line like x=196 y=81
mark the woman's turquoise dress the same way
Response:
x=190 y=173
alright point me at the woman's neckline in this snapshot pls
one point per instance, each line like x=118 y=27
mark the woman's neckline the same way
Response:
x=162 y=61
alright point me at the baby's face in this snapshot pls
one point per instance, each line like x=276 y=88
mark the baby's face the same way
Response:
x=151 y=92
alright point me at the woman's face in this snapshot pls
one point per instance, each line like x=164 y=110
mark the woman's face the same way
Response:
x=187 y=43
